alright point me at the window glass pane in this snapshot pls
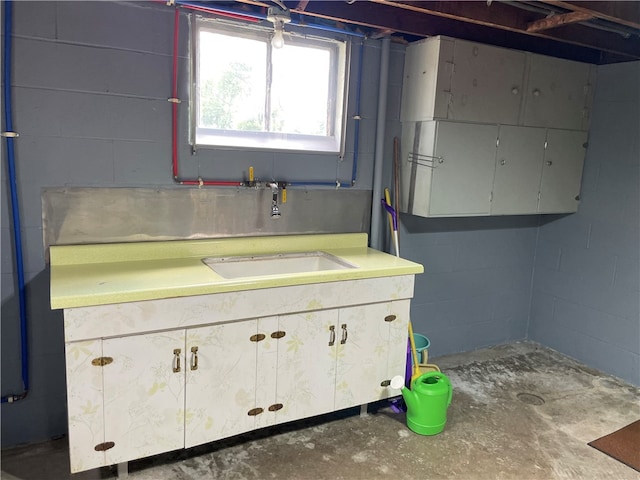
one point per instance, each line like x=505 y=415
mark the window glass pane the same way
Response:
x=300 y=90
x=232 y=82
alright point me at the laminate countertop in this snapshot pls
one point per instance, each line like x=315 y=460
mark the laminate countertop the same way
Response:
x=100 y=274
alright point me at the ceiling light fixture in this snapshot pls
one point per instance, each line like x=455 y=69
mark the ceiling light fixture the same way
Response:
x=278 y=17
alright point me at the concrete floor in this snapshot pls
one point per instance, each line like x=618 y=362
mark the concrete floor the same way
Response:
x=519 y=411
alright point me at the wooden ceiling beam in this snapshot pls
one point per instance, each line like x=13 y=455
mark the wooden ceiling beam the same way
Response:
x=507 y=17
x=558 y=20
x=622 y=12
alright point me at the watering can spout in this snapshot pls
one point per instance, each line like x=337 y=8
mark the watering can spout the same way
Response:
x=409 y=396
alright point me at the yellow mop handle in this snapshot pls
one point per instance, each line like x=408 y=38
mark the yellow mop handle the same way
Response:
x=414 y=353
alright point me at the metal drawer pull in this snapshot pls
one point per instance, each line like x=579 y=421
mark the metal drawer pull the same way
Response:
x=255 y=411
x=344 y=334
x=257 y=337
x=332 y=335
x=176 y=360
x=194 y=358
x=390 y=318
x=278 y=334
x=275 y=407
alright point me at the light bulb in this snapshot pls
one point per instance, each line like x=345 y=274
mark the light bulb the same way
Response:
x=277 y=41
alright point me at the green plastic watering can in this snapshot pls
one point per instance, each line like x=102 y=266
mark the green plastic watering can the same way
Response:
x=427 y=402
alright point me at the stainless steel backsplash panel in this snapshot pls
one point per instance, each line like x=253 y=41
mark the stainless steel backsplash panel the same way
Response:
x=105 y=215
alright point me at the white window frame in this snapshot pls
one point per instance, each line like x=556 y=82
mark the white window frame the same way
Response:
x=202 y=137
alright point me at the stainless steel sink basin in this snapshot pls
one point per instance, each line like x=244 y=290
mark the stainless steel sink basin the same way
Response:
x=283 y=263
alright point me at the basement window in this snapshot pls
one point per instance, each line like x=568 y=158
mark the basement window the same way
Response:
x=251 y=95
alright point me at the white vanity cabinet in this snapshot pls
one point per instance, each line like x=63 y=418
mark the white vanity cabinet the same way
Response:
x=221 y=371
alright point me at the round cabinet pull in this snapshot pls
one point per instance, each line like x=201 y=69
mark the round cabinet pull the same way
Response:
x=536 y=92
x=101 y=447
x=515 y=90
x=504 y=162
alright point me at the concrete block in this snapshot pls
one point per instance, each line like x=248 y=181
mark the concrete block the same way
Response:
x=565 y=230
x=318 y=167
x=142 y=163
x=618 y=82
x=627 y=274
x=616 y=237
x=132 y=26
x=547 y=255
x=591 y=265
x=620 y=331
x=7 y=285
x=7 y=254
x=35 y=19
x=37 y=418
x=87 y=69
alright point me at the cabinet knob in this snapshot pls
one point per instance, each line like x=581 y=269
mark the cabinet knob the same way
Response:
x=536 y=92
x=515 y=90
x=504 y=162
x=549 y=163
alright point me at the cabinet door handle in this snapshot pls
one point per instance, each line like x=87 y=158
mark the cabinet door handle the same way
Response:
x=194 y=358
x=332 y=335
x=345 y=334
x=176 y=360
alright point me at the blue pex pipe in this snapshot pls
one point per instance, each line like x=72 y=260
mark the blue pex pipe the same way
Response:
x=17 y=236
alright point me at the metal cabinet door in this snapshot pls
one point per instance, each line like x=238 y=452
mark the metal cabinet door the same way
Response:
x=486 y=85
x=221 y=381
x=462 y=182
x=518 y=170
x=144 y=395
x=558 y=93
x=562 y=171
x=306 y=365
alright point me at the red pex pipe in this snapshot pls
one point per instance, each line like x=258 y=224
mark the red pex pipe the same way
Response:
x=174 y=118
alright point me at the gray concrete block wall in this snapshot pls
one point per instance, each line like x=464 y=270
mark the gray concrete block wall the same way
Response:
x=585 y=299
x=476 y=287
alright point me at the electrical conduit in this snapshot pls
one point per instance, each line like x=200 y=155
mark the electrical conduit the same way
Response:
x=376 y=207
x=9 y=135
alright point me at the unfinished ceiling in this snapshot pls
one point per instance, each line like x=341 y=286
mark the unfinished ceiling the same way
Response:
x=597 y=32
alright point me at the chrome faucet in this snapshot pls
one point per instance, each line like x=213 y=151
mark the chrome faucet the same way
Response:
x=275 y=211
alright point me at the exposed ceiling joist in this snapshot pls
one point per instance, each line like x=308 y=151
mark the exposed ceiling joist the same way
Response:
x=558 y=20
x=507 y=17
x=625 y=12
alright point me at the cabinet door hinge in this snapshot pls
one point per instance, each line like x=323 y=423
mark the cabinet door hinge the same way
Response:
x=101 y=361
x=101 y=447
